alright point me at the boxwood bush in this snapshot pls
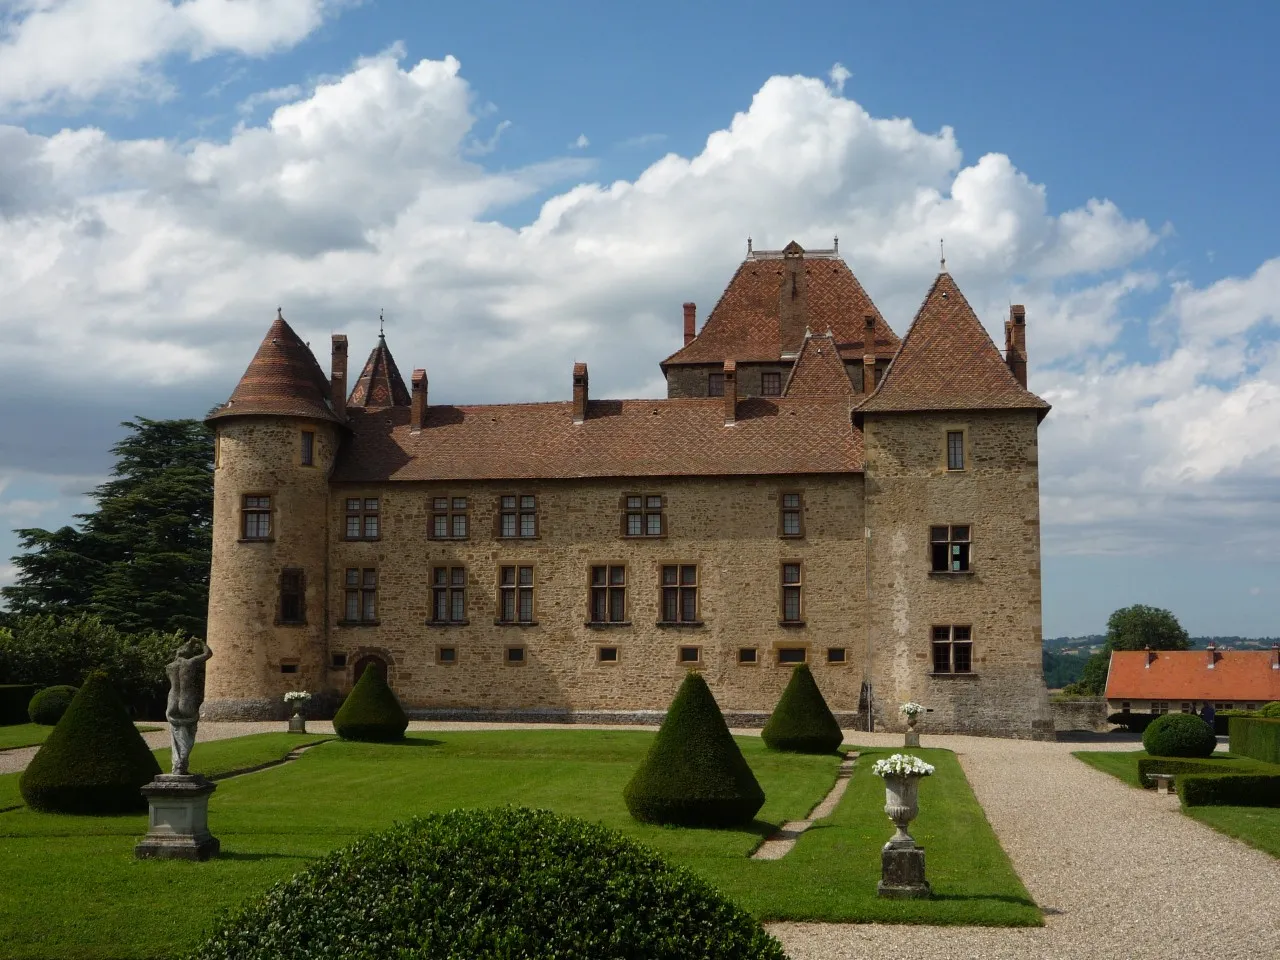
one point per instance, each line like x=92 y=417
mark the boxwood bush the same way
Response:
x=1210 y=766
x=94 y=761
x=1179 y=735
x=48 y=706
x=1233 y=790
x=1256 y=737
x=694 y=774
x=371 y=711
x=511 y=883
x=802 y=722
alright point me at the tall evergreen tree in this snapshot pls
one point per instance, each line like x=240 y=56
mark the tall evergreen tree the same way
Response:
x=140 y=560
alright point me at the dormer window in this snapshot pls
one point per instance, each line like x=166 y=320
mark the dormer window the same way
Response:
x=715 y=385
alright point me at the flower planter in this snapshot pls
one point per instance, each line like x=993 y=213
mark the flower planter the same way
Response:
x=901 y=861
x=297 y=723
x=901 y=795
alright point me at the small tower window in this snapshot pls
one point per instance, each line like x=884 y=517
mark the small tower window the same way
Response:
x=955 y=449
x=255 y=517
x=293 y=608
x=308 y=448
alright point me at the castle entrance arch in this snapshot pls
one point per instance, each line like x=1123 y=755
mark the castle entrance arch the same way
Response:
x=369 y=660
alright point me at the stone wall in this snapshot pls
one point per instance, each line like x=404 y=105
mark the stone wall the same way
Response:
x=909 y=489
x=1080 y=715
x=690 y=380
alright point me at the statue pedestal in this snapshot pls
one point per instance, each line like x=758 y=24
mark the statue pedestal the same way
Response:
x=913 y=739
x=178 y=828
x=297 y=723
x=902 y=873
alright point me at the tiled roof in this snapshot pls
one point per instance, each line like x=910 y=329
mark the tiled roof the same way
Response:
x=1239 y=676
x=818 y=372
x=283 y=379
x=948 y=362
x=619 y=438
x=380 y=383
x=744 y=324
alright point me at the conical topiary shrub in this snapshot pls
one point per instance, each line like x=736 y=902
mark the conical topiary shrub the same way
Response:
x=94 y=760
x=694 y=774
x=371 y=711
x=802 y=722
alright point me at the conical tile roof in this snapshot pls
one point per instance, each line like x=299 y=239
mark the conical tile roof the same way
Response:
x=380 y=383
x=282 y=380
x=819 y=373
x=948 y=362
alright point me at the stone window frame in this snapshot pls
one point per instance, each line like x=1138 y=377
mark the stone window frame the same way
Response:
x=306 y=448
x=606 y=590
x=844 y=657
x=951 y=542
x=257 y=510
x=442 y=660
x=452 y=509
x=784 y=585
x=697 y=663
x=644 y=511
x=966 y=453
x=679 y=585
x=754 y=661
x=787 y=649
x=600 y=654
x=290 y=666
x=516 y=588
x=450 y=587
x=945 y=635
x=337 y=661
x=511 y=648
x=362 y=589
x=301 y=592
x=764 y=391
x=784 y=509
x=518 y=512
x=362 y=513
x=715 y=383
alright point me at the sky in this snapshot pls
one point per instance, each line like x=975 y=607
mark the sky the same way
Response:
x=523 y=186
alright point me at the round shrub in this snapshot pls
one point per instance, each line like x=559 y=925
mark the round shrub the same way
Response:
x=48 y=706
x=492 y=883
x=1179 y=735
x=94 y=761
x=1272 y=709
x=694 y=774
x=371 y=711
x=802 y=722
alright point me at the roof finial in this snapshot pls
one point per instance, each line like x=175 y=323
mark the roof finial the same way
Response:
x=837 y=244
x=943 y=250
x=748 y=246
x=279 y=313
x=381 y=333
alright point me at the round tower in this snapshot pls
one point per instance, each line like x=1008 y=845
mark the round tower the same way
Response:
x=276 y=442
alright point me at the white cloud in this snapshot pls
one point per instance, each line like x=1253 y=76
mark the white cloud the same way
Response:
x=643 y=140
x=581 y=143
x=262 y=97
x=838 y=75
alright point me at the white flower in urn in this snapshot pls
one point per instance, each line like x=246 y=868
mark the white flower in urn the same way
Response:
x=297 y=699
x=911 y=710
x=902 y=765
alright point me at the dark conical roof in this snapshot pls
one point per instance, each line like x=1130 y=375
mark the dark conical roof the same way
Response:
x=380 y=383
x=282 y=380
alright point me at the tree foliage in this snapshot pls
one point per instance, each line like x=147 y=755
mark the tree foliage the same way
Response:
x=1130 y=628
x=140 y=559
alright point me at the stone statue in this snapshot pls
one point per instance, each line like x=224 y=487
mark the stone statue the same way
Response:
x=186 y=693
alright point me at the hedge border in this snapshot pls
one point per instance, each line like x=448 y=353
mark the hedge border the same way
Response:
x=1256 y=737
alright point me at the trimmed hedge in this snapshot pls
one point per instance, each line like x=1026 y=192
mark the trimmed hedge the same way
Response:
x=802 y=722
x=372 y=711
x=1207 y=766
x=511 y=883
x=1256 y=737
x=48 y=706
x=1179 y=735
x=14 y=698
x=94 y=761
x=1233 y=790
x=1133 y=722
x=694 y=774
x=1271 y=710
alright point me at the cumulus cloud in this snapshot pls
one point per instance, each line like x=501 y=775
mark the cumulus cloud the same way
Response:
x=142 y=274
x=580 y=143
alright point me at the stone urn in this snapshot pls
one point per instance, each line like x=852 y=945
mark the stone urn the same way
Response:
x=902 y=868
x=913 y=735
x=901 y=795
x=297 y=721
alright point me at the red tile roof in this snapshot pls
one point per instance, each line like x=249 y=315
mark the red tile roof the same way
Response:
x=818 y=372
x=948 y=362
x=744 y=324
x=1238 y=676
x=283 y=379
x=380 y=383
x=619 y=438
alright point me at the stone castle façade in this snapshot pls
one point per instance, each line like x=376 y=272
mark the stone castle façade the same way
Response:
x=813 y=489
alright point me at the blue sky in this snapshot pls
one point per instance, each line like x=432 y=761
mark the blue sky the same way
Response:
x=159 y=231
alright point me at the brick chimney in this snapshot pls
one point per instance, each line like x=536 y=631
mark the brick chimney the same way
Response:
x=1275 y=656
x=1211 y=654
x=1151 y=656
x=1015 y=342
x=579 y=392
x=793 y=300
x=868 y=372
x=418 y=407
x=338 y=375
x=868 y=329
x=730 y=392
x=690 y=322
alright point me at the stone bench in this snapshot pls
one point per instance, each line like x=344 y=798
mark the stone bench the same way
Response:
x=1163 y=782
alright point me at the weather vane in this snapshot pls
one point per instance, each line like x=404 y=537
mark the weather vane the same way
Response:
x=381 y=324
x=943 y=250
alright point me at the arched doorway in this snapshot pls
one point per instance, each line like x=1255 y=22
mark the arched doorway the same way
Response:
x=369 y=660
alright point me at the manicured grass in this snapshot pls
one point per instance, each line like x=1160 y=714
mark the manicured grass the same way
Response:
x=31 y=734
x=272 y=822
x=1124 y=764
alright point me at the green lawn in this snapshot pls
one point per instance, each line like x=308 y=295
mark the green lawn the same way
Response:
x=1257 y=826
x=30 y=734
x=273 y=822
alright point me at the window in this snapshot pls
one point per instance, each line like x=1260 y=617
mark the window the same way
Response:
x=361 y=595
x=949 y=549
x=955 y=449
x=515 y=654
x=446 y=655
x=449 y=595
x=689 y=655
x=255 y=517
x=288 y=668
x=1159 y=707
x=1251 y=706
x=1124 y=705
x=792 y=608
x=1186 y=708
x=292 y=603
x=680 y=593
x=747 y=655
x=362 y=518
x=518 y=516
x=607 y=654
x=308 y=452
x=952 y=650
x=449 y=518
x=836 y=655
x=515 y=595
x=791 y=654
x=338 y=661
x=643 y=515
x=715 y=385
x=792 y=520
x=608 y=594
x=771 y=384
